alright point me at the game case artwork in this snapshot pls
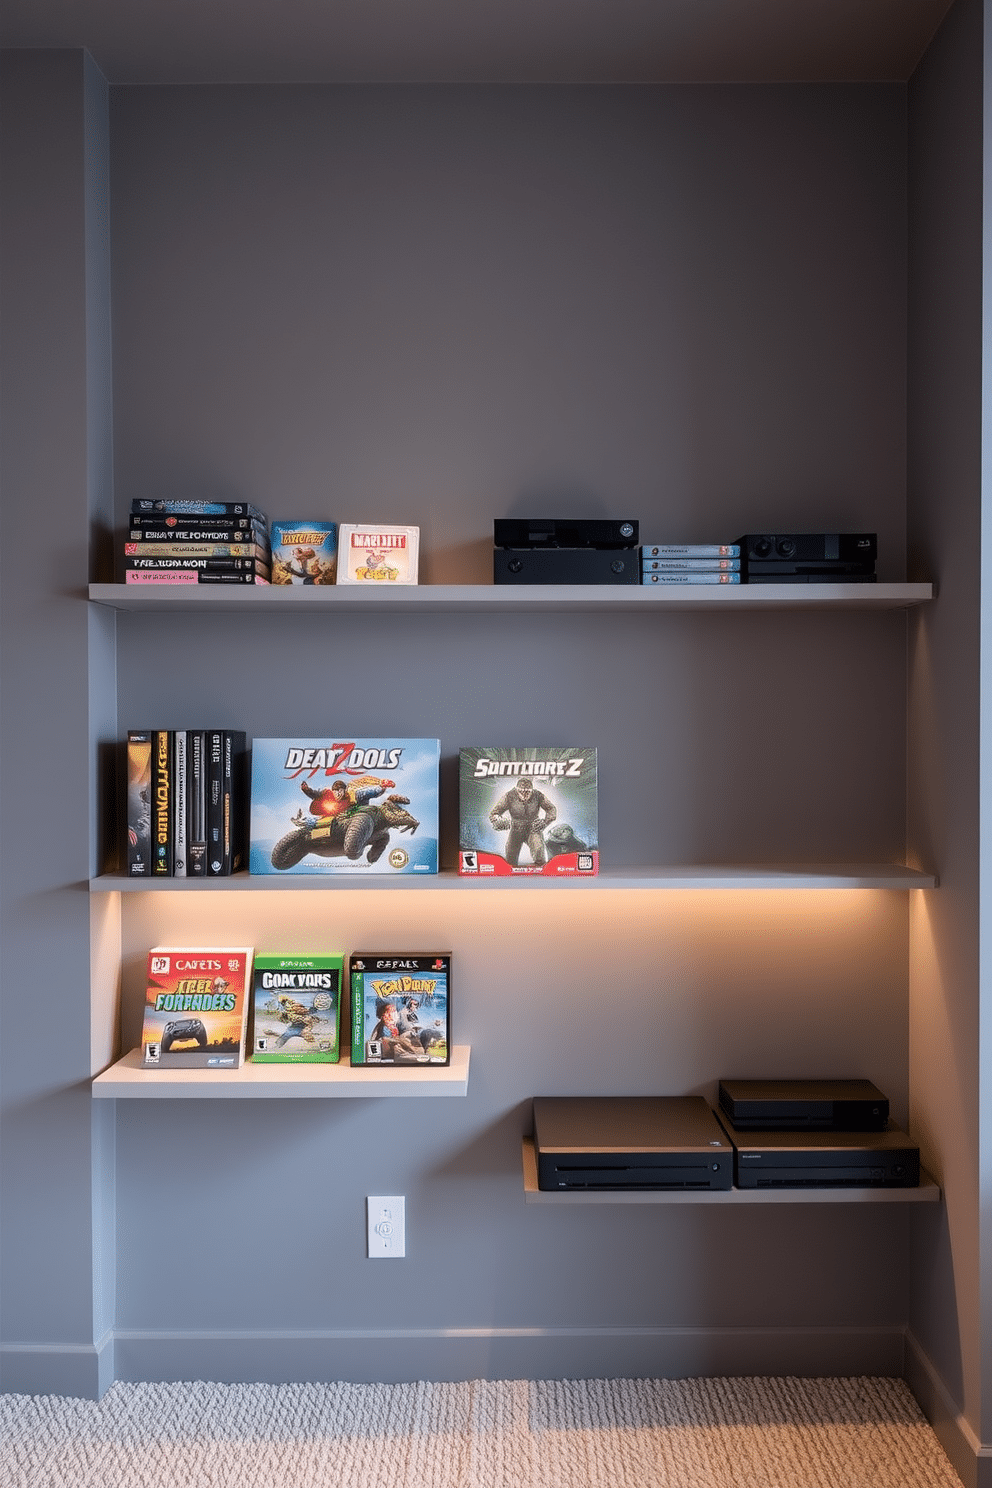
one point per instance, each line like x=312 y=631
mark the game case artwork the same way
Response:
x=139 y=803
x=528 y=811
x=304 y=552
x=339 y=806
x=378 y=555
x=297 y=1014
x=196 y=1007
x=400 y=1008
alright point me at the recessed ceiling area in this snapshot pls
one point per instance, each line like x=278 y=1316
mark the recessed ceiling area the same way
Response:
x=475 y=41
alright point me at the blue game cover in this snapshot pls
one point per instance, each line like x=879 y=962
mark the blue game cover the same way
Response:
x=322 y=806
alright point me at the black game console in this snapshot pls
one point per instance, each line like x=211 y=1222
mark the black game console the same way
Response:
x=812 y=1105
x=566 y=566
x=822 y=1159
x=572 y=532
x=808 y=558
x=598 y=1143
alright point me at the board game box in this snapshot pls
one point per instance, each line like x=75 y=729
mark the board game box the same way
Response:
x=400 y=1008
x=356 y=807
x=297 y=1012
x=304 y=552
x=378 y=555
x=196 y=1007
x=528 y=811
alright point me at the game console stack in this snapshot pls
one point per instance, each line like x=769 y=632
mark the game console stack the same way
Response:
x=815 y=1134
x=593 y=550
x=690 y=563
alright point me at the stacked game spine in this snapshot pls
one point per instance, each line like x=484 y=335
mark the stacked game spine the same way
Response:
x=196 y=542
x=187 y=802
x=690 y=563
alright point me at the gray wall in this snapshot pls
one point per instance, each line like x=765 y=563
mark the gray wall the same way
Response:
x=441 y=305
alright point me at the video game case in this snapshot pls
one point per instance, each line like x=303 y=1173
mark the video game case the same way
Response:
x=691 y=578
x=304 y=552
x=382 y=555
x=528 y=810
x=180 y=805
x=190 y=576
x=177 y=562
x=141 y=506
x=162 y=841
x=196 y=793
x=690 y=550
x=690 y=565
x=160 y=528
x=196 y=1007
x=400 y=1008
x=297 y=1008
x=235 y=800
x=139 y=803
x=324 y=806
x=174 y=550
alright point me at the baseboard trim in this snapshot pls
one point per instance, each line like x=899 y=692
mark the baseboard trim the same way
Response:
x=970 y=1458
x=81 y=1371
x=392 y=1356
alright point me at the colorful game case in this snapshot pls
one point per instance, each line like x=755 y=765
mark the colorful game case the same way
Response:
x=400 y=1008
x=359 y=807
x=196 y=1007
x=139 y=803
x=304 y=552
x=297 y=1009
x=528 y=811
x=378 y=555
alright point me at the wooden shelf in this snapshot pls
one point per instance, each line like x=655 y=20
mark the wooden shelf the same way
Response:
x=480 y=598
x=126 y=1080
x=705 y=876
x=928 y=1192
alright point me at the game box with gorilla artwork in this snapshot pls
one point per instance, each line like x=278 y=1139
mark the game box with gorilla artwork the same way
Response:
x=528 y=810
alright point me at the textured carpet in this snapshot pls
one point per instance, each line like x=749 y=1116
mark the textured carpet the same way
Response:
x=703 y=1433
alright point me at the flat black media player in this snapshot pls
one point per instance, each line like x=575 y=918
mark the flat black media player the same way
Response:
x=821 y=1159
x=796 y=1105
x=587 y=1143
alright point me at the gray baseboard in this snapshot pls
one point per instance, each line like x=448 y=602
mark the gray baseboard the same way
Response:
x=506 y=1353
x=81 y=1371
x=971 y=1460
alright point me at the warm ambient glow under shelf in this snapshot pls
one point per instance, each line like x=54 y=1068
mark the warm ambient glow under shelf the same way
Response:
x=928 y=1192
x=425 y=598
x=127 y=1080
x=705 y=876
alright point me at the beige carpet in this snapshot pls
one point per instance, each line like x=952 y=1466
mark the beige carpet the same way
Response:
x=703 y=1433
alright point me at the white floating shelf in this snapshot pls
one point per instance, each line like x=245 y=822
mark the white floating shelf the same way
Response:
x=428 y=598
x=705 y=876
x=928 y=1192
x=126 y=1080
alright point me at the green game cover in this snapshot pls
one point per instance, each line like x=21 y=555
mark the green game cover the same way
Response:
x=297 y=1008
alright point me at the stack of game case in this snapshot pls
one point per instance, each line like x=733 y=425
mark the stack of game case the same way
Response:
x=187 y=802
x=378 y=555
x=196 y=542
x=690 y=563
x=304 y=552
x=297 y=1008
x=196 y=1007
x=400 y=1008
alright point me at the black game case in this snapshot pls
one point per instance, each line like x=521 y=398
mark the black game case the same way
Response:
x=139 y=803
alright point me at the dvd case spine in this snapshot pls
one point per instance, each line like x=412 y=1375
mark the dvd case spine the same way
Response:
x=197 y=799
x=180 y=767
x=162 y=842
x=139 y=803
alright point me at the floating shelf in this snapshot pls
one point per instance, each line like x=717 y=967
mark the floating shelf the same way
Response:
x=126 y=1080
x=928 y=1192
x=706 y=876
x=428 y=598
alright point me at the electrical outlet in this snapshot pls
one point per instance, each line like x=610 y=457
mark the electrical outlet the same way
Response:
x=386 y=1217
